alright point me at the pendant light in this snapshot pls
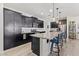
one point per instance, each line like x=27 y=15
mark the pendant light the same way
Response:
x=53 y=14
x=59 y=17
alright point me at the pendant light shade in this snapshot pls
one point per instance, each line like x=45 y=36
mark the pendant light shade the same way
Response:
x=54 y=20
x=57 y=17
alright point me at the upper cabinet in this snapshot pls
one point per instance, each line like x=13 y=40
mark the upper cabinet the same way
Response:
x=32 y=22
x=12 y=28
x=18 y=22
x=41 y=24
x=24 y=21
x=27 y=22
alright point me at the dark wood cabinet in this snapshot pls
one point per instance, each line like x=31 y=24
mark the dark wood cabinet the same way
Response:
x=27 y=22
x=8 y=29
x=37 y=23
x=12 y=28
x=13 y=23
x=32 y=22
x=40 y=24
x=18 y=26
x=35 y=45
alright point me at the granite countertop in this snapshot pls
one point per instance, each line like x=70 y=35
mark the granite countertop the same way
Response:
x=45 y=35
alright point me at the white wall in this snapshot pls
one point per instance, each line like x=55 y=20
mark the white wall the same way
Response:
x=1 y=27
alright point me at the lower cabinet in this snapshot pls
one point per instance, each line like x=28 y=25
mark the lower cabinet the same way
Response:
x=35 y=45
x=13 y=41
x=8 y=42
x=16 y=40
x=40 y=46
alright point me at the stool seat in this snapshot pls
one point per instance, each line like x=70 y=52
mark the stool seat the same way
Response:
x=55 y=40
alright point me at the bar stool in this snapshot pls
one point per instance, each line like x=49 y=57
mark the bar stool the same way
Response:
x=55 y=41
x=60 y=39
x=64 y=36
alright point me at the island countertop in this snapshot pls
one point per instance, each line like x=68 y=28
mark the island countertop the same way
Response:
x=46 y=35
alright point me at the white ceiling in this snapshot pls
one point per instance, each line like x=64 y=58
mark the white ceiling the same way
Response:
x=35 y=9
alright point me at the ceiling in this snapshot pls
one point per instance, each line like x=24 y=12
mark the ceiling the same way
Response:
x=42 y=10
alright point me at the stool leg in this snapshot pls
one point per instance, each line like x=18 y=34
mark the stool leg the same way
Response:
x=61 y=43
x=51 y=49
x=65 y=40
x=58 y=49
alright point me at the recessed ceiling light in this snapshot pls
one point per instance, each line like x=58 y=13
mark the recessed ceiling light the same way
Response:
x=50 y=10
x=42 y=13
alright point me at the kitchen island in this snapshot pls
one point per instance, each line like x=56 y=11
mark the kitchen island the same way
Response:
x=41 y=43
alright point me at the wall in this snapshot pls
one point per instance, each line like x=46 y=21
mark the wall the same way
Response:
x=1 y=27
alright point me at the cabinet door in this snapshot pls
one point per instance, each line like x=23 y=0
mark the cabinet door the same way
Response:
x=40 y=24
x=18 y=25
x=8 y=29
x=28 y=22
x=35 y=45
x=23 y=21
x=35 y=23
